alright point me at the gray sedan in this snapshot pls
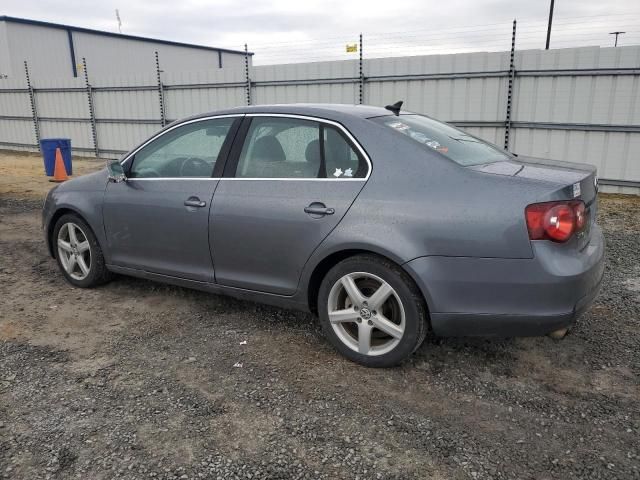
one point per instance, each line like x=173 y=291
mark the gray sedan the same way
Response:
x=385 y=224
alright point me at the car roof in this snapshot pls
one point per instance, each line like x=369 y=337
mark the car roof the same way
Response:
x=330 y=111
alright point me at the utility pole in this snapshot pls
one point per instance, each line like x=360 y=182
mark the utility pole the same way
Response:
x=549 y=26
x=616 y=34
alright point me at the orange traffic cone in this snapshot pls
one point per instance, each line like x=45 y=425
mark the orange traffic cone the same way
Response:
x=59 y=170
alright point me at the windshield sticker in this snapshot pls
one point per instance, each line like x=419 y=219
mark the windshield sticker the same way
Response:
x=399 y=126
x=418 y=136
x=338 y=172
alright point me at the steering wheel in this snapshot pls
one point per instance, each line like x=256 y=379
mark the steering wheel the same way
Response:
x=147 y=173
x=193 y=166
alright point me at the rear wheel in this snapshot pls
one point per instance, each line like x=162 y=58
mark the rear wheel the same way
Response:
x=371 y=311
x=78 y=253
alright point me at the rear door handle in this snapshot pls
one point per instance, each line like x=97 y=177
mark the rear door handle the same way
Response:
x=194 y=202
x=319 y=209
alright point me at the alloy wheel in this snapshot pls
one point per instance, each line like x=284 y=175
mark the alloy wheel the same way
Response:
x=366 y=313
x=74 y=251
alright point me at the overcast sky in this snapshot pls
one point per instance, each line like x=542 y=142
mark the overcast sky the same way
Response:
x=280 y=30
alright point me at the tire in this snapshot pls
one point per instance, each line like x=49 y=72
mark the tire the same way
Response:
x=393 y=333
x=81 y=260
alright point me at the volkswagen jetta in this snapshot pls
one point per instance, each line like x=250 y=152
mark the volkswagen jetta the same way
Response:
x=384 y=223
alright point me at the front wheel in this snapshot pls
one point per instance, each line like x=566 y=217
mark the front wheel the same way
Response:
x=78 y=252
x=371 y=311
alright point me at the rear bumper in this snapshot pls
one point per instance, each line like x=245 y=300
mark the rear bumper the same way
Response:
x=511 y=297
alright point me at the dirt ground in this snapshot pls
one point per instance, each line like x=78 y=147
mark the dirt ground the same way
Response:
x=141 y=380
x=22 y=174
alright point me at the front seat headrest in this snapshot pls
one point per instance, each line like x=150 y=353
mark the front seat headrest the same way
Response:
x=268 y=149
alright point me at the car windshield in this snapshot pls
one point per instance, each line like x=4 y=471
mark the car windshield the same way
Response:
x=454 y=144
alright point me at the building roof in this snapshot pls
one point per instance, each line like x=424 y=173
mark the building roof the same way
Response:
x=26 y=21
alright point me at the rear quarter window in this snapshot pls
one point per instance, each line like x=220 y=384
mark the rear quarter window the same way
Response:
x=449 y=141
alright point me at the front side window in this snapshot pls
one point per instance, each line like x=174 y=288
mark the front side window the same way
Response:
x=295 y=148
x=454 y=144
x=188 y=151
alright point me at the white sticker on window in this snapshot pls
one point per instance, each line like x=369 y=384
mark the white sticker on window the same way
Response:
x=348 y=172
x=399 y=126
x=338 y=172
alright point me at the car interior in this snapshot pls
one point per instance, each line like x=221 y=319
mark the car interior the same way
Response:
x=293 y=151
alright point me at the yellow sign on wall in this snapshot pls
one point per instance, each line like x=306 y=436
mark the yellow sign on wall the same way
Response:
x=352 y=47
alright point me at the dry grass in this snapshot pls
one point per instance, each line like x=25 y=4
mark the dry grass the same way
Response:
x=22 y=174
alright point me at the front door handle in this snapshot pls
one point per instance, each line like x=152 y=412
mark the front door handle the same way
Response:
x=194 y=202
x=317 y=208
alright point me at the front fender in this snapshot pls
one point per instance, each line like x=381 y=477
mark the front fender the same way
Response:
x=82 y=196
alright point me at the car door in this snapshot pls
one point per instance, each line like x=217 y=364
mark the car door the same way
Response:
x=288 y=183
x=157 y=220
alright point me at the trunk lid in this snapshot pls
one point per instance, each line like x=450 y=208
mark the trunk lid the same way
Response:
x=574 y=181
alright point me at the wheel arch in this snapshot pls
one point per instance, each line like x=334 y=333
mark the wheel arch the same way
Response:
x=329 y=261
x=52 y=224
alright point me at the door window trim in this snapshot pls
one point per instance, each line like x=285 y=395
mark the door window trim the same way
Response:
x=351 y=140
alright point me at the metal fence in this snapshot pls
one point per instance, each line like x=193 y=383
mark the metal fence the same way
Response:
x=577 y=104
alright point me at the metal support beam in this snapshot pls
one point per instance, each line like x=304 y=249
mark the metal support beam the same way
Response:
x=163 y=118
x=34 y=109
x=585 y=127
x=619 y=183
x=92 y=113
x=361 y=96
x=512 y=73
x=72 y=53
x=246 y=74
x=204 y=86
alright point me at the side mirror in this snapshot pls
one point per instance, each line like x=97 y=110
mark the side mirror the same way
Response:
x=116 y=172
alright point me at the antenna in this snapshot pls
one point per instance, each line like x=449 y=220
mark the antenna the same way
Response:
x=119 y=21
x=395 y=108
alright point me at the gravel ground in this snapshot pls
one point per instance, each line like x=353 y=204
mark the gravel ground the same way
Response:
x=141 y=380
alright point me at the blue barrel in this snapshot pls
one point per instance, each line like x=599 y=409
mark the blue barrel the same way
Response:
x=48 y=147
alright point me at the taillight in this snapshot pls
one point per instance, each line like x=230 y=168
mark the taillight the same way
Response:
x=581 y=216
x=555 y=221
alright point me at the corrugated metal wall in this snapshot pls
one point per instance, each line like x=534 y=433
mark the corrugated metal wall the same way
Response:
x=48 y=49
x=108 y=54
x=576 y=104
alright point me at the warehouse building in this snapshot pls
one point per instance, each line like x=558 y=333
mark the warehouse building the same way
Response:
x=56 y=51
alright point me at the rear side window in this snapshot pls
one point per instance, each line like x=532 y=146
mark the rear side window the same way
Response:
x=277 y=147
x=341 y=160
x=451 y=142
